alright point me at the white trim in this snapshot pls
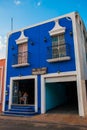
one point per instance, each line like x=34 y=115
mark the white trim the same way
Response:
x=20 y=65
x=59 y=59
x=22 y=39
x=53 y=19
x=10 y=93
x=77 y=61
x=43 y=95
x=61 y=79
x=82 y=102
x=57 y=29
x=21 y=78
x=61 y=74
x=36 y=94
x=5 y=76
x=1 y=79
x=58 y=78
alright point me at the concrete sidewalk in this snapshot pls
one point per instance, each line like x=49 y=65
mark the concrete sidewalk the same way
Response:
x=51 y=118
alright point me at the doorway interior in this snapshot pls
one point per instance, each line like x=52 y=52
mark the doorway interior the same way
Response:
x=22 y=86
x=61 y=97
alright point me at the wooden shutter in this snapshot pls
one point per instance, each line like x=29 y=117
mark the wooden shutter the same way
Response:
x=22 y=53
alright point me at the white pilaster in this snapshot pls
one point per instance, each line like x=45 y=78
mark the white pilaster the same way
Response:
x=81 y=87
x=43 y=103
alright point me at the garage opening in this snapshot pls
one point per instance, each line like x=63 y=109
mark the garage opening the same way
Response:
x=61 y=97
x=19 y=88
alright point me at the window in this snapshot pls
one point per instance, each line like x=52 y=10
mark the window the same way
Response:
x=22 y=53
x=58 y=46
x=20 y=58
x=58 y=52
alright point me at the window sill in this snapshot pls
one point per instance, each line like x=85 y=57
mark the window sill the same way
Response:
x=21 y=65
x=59 y=59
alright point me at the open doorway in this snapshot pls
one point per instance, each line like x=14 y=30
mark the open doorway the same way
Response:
x=61 y=97
x=20 y=87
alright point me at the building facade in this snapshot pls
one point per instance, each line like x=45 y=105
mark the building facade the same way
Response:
x=2 y=71
x=48 y=61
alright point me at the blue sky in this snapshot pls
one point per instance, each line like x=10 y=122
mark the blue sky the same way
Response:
x=28 y=12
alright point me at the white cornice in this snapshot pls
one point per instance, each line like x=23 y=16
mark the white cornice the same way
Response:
x=50 y=20
x=22 y=38
x=57 y=29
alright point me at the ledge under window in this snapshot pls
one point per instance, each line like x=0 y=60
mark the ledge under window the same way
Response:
x=21 y=65
x=59 y=59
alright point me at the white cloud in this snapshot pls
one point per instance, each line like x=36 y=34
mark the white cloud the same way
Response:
x=0 y=37
x=17 y=2
x=3 y=40
x=38 y=3
x=2 y=46
x=3 y=53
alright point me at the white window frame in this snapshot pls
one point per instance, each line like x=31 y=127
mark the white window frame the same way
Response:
x=21 y=40
x=57 y=30
x=23 y=54
x=12 y=79
x=60 y=43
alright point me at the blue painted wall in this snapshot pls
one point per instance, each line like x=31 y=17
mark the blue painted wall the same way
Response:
x=38 y=52
x=55 y=95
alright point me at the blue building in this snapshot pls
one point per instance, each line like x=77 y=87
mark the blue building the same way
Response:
x=48 y=62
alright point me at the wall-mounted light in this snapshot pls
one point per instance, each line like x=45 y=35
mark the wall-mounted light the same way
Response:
x=6 y=92
x=20 y=75
x=45 y=39
x=32 y=43
x=71 y=33
x=59 y=72
x=12 y=47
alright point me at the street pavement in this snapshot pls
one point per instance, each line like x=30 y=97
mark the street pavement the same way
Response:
x=44 y=122
x=34 y=125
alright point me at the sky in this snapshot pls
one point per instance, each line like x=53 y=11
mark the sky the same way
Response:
x=28 y=12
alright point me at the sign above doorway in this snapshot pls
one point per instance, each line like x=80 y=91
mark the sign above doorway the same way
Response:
x=38 y=71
